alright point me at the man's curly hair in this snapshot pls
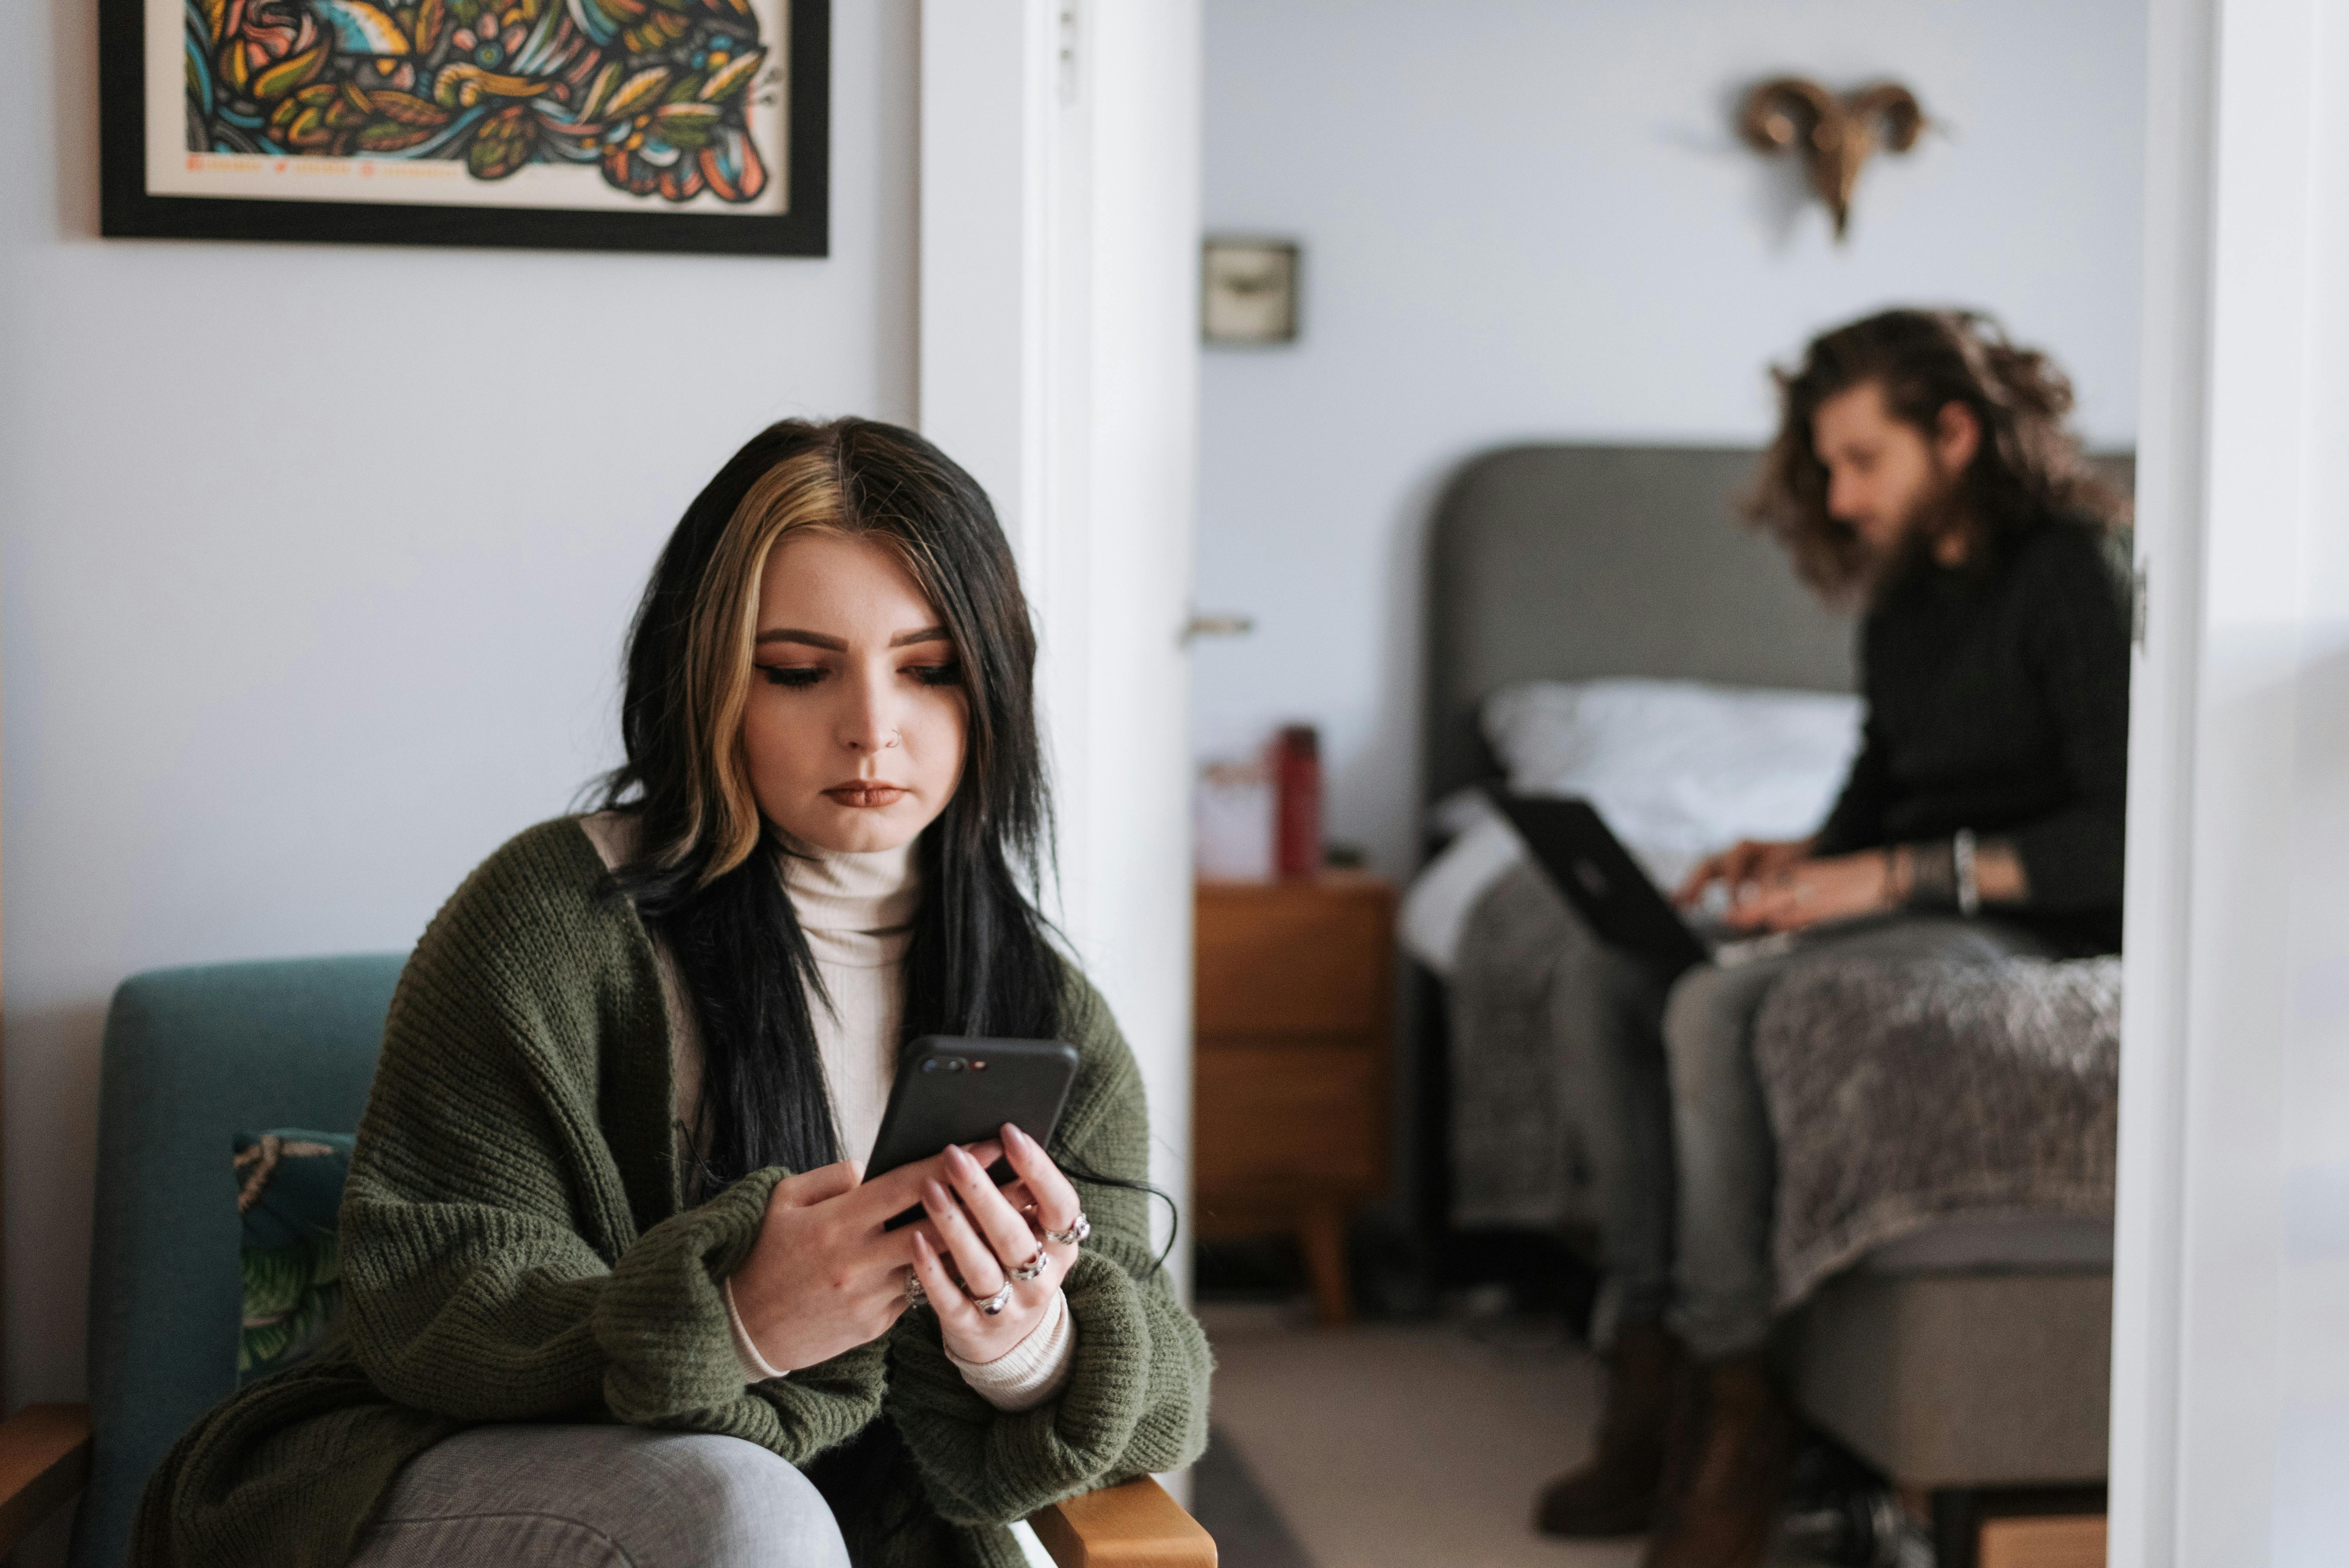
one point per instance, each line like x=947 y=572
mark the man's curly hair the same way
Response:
x=2028 y=472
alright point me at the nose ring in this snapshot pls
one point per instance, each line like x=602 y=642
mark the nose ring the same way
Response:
x=894 y=736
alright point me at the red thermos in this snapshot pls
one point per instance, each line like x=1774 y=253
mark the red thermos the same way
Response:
x=1297 y=789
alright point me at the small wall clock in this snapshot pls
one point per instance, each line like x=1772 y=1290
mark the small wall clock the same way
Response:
x=1250 y=291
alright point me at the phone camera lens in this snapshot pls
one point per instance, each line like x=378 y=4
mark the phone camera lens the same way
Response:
x=955 y=1064
x=929 y=1064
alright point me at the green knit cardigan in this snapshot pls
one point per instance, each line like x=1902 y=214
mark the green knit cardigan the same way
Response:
x=516 y=1248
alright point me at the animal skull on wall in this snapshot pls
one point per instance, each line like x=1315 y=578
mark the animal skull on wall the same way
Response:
x=1836 y=135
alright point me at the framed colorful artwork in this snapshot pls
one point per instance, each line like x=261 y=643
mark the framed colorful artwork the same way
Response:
x=628 y=125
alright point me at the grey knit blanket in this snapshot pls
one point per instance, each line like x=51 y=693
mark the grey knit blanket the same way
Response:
x=1907 y=1094
x=1516 y=1159
x=1902 y=1094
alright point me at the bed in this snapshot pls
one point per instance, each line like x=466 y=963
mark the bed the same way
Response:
x=1961 y=1348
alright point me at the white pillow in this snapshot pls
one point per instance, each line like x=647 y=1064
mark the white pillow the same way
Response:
x=1679 y=768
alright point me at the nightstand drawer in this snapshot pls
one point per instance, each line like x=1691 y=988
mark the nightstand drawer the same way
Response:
x=1303 y=957
x=1288 y=1112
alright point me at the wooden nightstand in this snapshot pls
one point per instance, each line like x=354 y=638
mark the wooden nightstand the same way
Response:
x=1294 y=1009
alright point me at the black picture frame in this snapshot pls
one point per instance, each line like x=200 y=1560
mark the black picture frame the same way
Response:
x=127 y=210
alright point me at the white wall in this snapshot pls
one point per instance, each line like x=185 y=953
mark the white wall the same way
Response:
x=315 y=563
x=1524 y=219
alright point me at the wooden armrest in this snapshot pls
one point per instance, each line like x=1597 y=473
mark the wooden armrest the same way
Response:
x=1135 y=1525
x=44 y=1460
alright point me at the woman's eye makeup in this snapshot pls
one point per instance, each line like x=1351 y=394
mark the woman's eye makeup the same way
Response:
x=945 y=672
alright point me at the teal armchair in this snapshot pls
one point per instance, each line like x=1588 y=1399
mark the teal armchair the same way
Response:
x=192 y=1058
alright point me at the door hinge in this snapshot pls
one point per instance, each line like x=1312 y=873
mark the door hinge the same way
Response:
x=2141 y=597
x=1067 y=53
x=1213 y=624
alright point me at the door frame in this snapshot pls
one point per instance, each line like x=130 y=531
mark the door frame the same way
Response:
x=2234 y=1151
x=1059 y=361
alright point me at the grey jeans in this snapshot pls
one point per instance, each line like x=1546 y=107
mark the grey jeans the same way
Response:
x=601 y=1497
x=1675 y=1123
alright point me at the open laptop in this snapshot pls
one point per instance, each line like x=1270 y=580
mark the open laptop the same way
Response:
x=1613 y=893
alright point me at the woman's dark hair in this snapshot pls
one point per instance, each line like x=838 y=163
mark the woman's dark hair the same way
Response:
x=2027 y=472
x=704 y=876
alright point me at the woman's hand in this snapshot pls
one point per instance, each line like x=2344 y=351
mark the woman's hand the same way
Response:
x=1810 y=892
x=1747 y=861
x=823 y=1276
x=979 y=1231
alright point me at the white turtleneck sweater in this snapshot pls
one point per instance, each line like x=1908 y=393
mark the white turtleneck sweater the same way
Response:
x=857 y=912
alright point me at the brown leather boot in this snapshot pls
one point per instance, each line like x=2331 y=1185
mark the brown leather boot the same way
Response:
x=1615 y=1493
x=1732 y=1452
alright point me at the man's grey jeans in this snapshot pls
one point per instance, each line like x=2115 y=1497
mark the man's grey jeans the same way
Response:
x=601 y=1497
x=1674 y=1124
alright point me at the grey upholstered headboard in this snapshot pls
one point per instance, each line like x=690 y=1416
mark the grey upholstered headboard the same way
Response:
x=1571 y=562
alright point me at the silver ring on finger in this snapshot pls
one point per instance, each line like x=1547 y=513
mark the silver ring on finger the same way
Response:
x=915 y=1294
x=992 y=1305
x=1031 y=1269
x=1076 y=1232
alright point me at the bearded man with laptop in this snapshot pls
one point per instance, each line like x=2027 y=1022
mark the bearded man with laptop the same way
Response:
x=1922 y=471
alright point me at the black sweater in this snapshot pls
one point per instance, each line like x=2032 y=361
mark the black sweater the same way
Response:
x=1998 y=700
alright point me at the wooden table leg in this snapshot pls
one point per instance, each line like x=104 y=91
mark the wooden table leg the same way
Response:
x=1321 y=1229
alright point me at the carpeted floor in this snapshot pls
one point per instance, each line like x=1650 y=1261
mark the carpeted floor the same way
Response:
x=1397 y=1446
x=1226 y=1497
x=1393 y=1445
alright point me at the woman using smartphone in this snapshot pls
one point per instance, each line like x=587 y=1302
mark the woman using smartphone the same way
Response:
x=613 y=1291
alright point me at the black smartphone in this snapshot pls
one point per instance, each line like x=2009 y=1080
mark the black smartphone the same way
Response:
x=953 y=1090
